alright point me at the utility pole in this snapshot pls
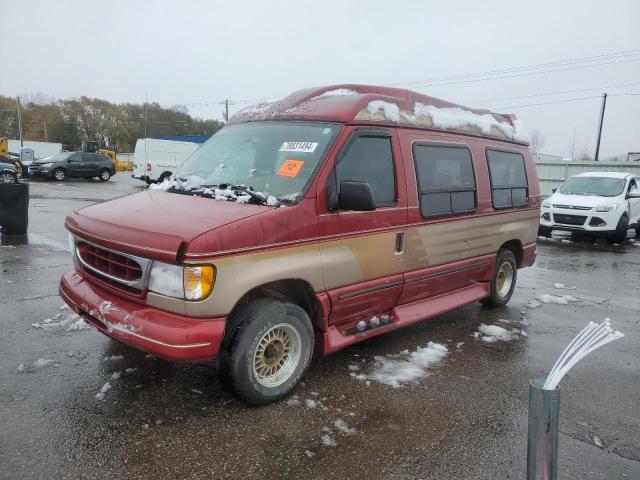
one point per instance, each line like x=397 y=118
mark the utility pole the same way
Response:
x=226 y=111
x=604 y=104
x=146 y=121
x=20 y=122
x=45 y=131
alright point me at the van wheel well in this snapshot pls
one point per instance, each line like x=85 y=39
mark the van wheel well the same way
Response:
x=291 y=290
x=516 y=247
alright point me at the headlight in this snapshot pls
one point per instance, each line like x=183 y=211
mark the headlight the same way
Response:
x=545 y=204
x=607 y=208
x=189 y=283
x=47 y=164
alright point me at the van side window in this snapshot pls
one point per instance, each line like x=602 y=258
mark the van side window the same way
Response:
x=370 y=159
x=509 y=186
x=446 y=182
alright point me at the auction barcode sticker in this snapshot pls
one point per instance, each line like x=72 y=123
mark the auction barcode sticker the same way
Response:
x=304 y=147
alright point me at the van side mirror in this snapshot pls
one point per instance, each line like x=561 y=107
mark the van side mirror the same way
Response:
x=553 y=190
x=356 y=196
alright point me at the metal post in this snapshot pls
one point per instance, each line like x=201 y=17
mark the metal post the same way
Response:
x=604 y=104
x=20 y=122
x=542 y=444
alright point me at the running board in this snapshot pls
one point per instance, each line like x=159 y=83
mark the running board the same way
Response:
x=408 y=314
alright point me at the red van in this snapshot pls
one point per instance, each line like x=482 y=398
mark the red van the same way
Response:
x=310 y=223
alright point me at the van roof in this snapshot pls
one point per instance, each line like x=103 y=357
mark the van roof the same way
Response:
x=384 y=105
x=605 y=174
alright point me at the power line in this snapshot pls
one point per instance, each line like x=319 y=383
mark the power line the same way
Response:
x=620 y=85
x=606 y=56
x=568 y=100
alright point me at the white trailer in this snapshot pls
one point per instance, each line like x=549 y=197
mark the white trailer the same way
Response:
x=40 y=149
x=156 y=159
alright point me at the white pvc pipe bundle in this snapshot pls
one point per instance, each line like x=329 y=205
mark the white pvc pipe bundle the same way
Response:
x=592 y=337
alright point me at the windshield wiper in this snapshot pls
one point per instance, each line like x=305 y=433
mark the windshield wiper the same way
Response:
x=244 y=189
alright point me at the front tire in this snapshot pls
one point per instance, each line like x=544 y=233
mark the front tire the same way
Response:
x=620 y=234
x=8 y=177
x=268 y=351
x=59 y=174
x=504 y=280
x=105 y=175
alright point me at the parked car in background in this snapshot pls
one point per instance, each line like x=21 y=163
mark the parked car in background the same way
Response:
x=74 y=164
x=399 y=207
x=603 y=204
x=8 y=173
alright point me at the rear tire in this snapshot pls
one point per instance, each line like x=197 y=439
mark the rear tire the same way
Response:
x=504 y=280
x=59 y=174
x=105 y=175
x=268 y=351
x=620 y=234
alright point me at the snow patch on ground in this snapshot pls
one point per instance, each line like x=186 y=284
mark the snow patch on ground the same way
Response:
x=60 y=322
x=533 y=304
x=406 y=367
x=105 y=388
x=113 y=358
x=342 y=426
x=328 y=440
x=495 y=333
x=557 y=299
x=564 y=286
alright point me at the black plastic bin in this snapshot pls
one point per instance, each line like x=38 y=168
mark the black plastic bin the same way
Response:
x=14 y=208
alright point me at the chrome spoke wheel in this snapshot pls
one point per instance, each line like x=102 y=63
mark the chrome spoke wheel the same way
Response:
x=504 y=279
x=59 y=175
x=6 y=177
x=277 y=355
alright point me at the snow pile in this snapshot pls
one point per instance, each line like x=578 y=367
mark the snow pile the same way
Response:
x=495 y=333
x=562 y=286
x=391 y=111
x=406 y=367
x=557 y=299
x=339 y=92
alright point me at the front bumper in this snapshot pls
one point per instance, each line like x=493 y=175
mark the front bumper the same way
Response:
x=557 y=220
x=162 y=334
x=36 y=171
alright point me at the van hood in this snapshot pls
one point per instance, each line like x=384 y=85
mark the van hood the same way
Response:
x=155 y=224
x=580 y=200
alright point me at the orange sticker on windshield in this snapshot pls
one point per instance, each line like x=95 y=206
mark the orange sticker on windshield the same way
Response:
x=290 y=168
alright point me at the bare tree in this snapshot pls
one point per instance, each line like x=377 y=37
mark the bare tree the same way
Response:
x=537 y=141
x=572 y=145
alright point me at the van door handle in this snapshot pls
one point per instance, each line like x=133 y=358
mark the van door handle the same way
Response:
x=400 y=242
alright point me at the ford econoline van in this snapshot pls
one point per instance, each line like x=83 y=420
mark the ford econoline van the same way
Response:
x=306 y=225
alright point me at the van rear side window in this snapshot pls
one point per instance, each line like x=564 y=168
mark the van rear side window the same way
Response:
x=446 y=182
x=509 y=186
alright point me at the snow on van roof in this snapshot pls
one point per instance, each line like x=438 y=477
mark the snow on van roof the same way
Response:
x=372 y=104
x=605 y=174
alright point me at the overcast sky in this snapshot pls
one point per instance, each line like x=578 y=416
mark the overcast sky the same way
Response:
x=196 y=53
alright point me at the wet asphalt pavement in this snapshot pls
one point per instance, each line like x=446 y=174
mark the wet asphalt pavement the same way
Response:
x=466 y=420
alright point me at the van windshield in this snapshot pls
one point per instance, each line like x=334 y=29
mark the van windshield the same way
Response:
x=270 y=158
x=598 y=186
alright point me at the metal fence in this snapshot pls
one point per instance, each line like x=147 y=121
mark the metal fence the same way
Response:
x=552 y=174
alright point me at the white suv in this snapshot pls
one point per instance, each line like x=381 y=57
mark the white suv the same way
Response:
x=598 y=203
